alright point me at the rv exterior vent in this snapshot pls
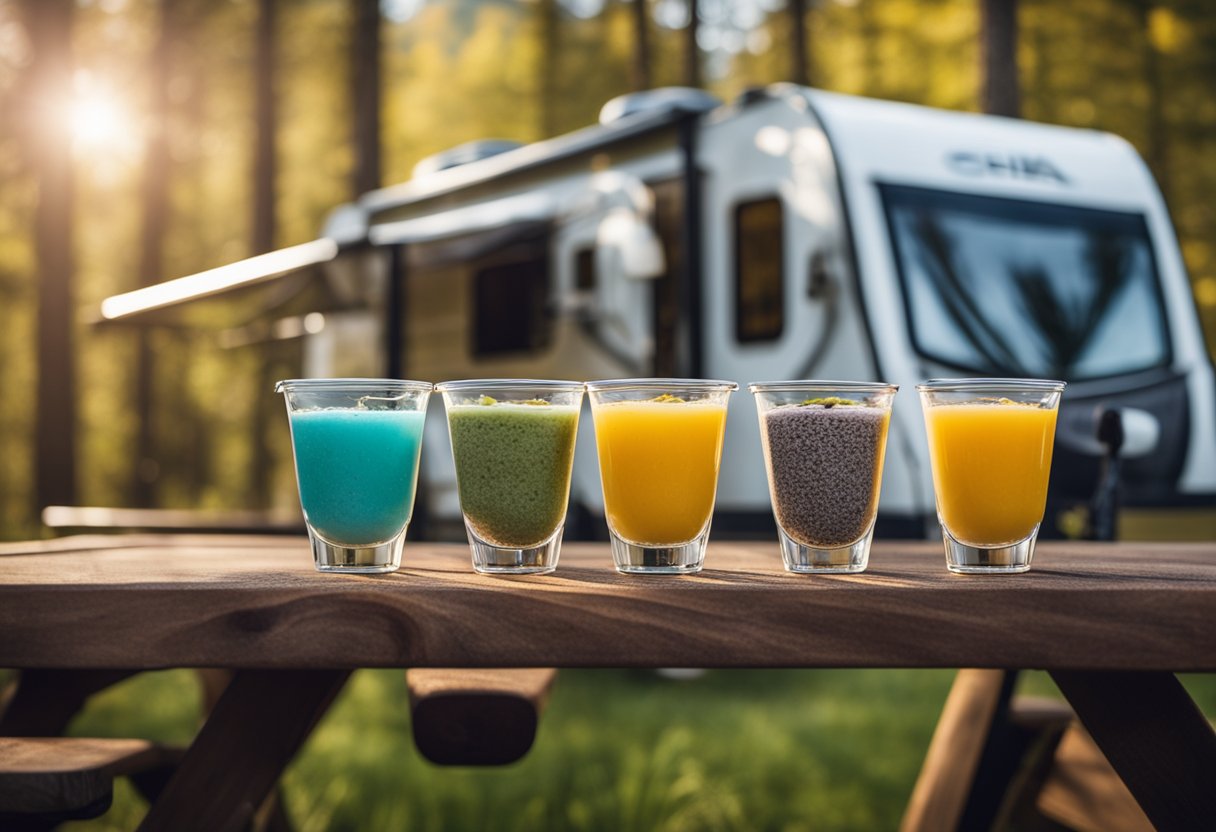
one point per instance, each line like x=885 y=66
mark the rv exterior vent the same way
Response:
x=462 y=154
x=664 y=99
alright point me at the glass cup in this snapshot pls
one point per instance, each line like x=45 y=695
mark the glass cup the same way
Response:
x=513 y=445
x=356 y=443
x=990 y=443
x=660 y=446
x=824 y=443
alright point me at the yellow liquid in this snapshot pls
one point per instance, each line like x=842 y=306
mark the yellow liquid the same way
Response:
x=659 y=466
x=990 y=469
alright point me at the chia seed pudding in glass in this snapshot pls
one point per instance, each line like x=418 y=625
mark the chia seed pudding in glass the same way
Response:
x=824 y=444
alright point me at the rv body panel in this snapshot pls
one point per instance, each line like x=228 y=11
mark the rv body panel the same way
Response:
x=770 y=159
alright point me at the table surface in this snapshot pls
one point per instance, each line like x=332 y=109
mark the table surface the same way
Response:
x=153 y=601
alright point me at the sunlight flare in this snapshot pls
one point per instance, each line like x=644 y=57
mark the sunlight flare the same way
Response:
x=99 y=121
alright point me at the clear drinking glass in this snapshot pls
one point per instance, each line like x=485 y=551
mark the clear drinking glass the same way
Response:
x=990 y=444
x=356 y=443
x=824 y=443
x=513 y=445
x=660 y=446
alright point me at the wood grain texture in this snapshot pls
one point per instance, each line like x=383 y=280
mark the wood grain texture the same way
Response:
x=946 y=778
x=1082 y=791
x=478 y=717
x=1155 y=737
x=41 y=775
x=155 y=601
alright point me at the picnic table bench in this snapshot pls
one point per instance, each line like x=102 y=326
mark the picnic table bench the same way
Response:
x=1112 y=623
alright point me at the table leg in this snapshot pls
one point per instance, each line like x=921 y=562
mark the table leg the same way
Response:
x=1155 y=737
x=255 y=729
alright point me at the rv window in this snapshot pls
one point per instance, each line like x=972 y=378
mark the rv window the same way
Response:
x=509 y=313
x=584 y=270
x=759 y=268
x=1010 y=287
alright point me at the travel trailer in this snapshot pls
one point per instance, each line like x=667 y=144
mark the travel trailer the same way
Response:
x=793 y=233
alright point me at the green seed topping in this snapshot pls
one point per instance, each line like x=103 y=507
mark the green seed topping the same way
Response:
x=535 y=402
x=829 y=401
x=486 y=401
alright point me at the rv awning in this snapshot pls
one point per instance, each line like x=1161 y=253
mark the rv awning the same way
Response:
x=458 y=235
x=243 y=274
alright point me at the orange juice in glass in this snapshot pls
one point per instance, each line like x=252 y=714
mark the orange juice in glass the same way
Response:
x=660 y=445
x=990 y=444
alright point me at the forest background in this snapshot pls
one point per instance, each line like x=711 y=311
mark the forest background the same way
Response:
x=146 y=139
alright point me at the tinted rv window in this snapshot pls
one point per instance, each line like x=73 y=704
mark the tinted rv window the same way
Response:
x=584 y=270
x=1010 y=287
x=509 y=302
x=759 y=289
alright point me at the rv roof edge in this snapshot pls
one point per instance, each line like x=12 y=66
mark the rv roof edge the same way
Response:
x=466 y=220
x=661 y=100
x=586 y=140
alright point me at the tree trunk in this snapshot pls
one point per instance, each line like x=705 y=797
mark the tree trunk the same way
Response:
x=264 y=115
x=692 y=52
x=799 y=71
x=365 y=94
x=547 y=67
x=154 y=199
x=999 y=49
x=50 y=32
x=640 y=68
x=265 y=170
x=869 y=32
x=1158 y=138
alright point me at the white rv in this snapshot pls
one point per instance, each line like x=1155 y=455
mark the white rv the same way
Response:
x=791 y=234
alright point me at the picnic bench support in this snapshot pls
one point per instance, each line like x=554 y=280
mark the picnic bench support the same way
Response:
x=44 y=701
x=1154 y=736
x=256 y=727
x=990 y=755
x=478 y=717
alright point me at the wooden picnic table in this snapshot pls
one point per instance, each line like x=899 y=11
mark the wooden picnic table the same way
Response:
x=1111 y=622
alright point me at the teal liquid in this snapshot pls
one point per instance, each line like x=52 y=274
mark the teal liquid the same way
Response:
x=357 y=471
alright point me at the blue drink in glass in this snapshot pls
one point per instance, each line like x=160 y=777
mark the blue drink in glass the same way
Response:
x=357 y=444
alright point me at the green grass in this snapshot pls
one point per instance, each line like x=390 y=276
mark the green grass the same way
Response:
x=617 y=750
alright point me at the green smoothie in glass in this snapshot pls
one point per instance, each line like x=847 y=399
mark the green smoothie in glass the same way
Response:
x=514 y=450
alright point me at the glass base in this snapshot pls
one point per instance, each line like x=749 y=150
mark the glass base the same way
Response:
x=498 y=560
x=637 y=559
x=997 y=560
x=367 y=560
x=809 y=560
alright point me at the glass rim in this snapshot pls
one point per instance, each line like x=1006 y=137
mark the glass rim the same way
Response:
x=817 y=386
x=613 y=385
x=339 y=385
x=972 y=385
x=467 y=384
